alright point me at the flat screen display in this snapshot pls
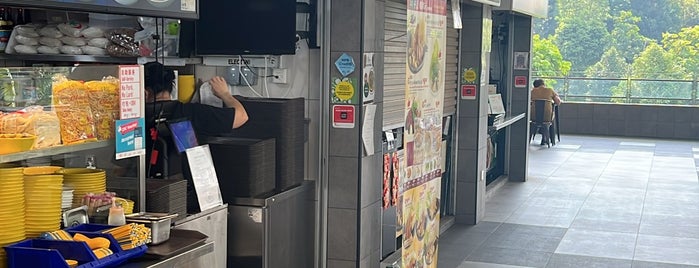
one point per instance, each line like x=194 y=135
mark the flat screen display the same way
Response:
x=183 y=135
x=246 y=27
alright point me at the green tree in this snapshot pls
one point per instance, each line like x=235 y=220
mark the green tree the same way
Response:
x=582 y=34
x=657 y=16
x=626 y=36
x=612 y=66
x=685 y=46
x=656 y=63
x=547 y=59
x=616 y=6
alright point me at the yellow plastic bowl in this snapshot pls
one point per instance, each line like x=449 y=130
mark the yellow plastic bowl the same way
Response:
x=11 y=143
x=41 y=170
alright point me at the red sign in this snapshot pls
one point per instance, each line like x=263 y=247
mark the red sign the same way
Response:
x=468 y=92
x=343 y=116
x=520 y=81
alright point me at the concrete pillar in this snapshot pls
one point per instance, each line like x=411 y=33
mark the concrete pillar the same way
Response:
x=354 y=175
x=518 y=134
x=472 y=117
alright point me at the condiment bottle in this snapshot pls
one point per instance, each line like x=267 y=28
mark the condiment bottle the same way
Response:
x=116 y=215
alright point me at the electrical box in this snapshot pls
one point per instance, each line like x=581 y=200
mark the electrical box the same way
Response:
x=248 y=77
x=279 y=76
x=232 y=76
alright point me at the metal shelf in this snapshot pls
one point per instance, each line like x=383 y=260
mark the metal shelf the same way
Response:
x=508 y=121
x=167 y=61
x=51 y=151
x=67 y=58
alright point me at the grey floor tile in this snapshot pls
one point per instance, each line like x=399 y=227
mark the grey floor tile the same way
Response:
x=670 y=208
x=576 y=261
x=666 y=225
x=538 y=200
x=452 y=253
x=645 y=264
x=630 y=193
x=471 y=264
x=612 y=203
x=447 y=262
x=689 y=187
x=598 y=244
x=605 y=219
x=586 y=172
x=543 y=216
x=667 y=249
x=508 y=256
x=515 y=236
x=614 y=181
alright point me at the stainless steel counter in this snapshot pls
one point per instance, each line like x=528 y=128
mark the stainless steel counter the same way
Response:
x=276 y=231
x=180 y=260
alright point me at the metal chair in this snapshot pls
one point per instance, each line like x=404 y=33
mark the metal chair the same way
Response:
x=541 y=122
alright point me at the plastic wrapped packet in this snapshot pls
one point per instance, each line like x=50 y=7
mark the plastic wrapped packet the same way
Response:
x=98 y=42
x=124 y=44
x=72 y=105
x=73 y=41
x=35 y=121
x=90 y=50
x=28 y=31
x=48 y=50
x=93 y=32
x=71 y=50
x=104 y=103
x=50 y=42
x=24 y=40
x=73 y=28
x=24 y=49
x=50 y=31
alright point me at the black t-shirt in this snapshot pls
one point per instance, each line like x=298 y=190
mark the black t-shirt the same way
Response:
x=206 y=121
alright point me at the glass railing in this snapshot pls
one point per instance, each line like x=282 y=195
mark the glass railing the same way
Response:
x=620 y=89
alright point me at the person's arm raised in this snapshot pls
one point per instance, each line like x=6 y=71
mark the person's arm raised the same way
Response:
x=220 y=90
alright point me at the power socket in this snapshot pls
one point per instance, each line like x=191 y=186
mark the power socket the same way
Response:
x=279 y=76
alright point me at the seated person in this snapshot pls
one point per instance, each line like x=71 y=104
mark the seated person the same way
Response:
x=541 y=92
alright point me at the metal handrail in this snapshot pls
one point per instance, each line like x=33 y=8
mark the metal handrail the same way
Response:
x=628 y=97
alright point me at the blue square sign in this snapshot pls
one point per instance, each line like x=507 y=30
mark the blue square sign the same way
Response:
x=345 y=64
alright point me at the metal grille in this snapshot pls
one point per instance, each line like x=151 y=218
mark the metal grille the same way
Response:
x=395 y=45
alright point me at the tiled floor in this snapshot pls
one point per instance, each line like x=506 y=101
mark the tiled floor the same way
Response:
x=590 y=202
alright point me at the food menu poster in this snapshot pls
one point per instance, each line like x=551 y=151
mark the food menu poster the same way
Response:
x=424 y=93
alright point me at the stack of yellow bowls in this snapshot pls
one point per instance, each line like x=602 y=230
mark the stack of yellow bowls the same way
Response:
x=11 y=208
x=43 y=190
x=84 y=181
x=125 y=203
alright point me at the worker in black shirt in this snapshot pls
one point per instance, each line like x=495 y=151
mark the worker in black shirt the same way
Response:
x=206 y=120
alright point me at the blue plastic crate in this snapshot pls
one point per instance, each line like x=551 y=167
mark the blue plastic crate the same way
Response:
x=53 y=253
x=89 y=227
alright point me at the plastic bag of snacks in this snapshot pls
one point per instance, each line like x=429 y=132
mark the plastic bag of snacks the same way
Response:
x=35 y=121
x=72 y=105
x=104 y=103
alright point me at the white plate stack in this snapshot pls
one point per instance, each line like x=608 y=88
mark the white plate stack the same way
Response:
x=67 y=198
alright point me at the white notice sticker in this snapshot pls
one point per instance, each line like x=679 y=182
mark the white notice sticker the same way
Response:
x=188 y=5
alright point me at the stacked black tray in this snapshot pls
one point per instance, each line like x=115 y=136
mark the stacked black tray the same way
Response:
x=167 y=196
x=244 y=167
x=284 y=121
